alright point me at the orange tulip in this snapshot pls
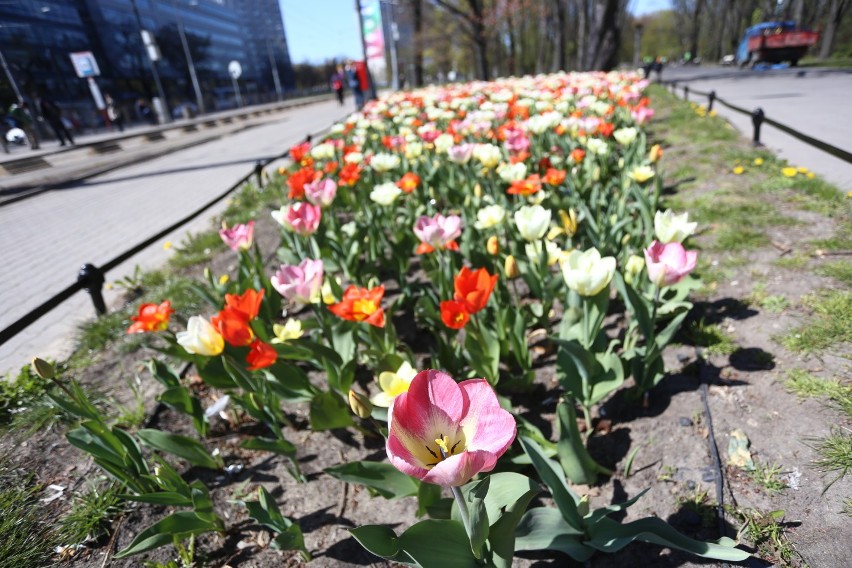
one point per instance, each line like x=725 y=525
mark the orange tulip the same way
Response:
x=554 y=176
x=151 y=317
x=454 y=315
x=296 y=182
x=350 y=174
x=248 y=303
x=493 y=245
x=473 y=288
x=605 y=129
x=361 y=304
x=526 y=186
x=409 y=182
x=261 y=355
x=233 y=326
x=578 y=154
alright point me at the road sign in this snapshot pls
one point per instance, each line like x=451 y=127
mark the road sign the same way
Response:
x=235 y=69
x=85 y=64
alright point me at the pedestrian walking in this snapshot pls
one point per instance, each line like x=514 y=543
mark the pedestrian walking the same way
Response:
x=114 y=113
x=20 y=113
x=337 y=83
x=355 y=84
x=144 y=111
x=51 y=112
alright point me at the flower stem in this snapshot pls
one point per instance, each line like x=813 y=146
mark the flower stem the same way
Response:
x=457 y=495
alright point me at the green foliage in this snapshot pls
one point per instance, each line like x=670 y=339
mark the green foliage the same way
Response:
x=91 y=514
x=771 y=303
x=711 y=337
x=835 y=454
x=379 y=477
x=840 y=270
x=807 y=385
x=266 y=512
x=831 y=322
x=25 y=539
x=19 y=393
x=196 y=248
x=766 y=532
x=768 y=476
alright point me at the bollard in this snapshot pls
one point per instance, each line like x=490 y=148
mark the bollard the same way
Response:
x=757 y=119
x=258 y=172
x=686 y=93
x=711 y=98
x=308 y=138
x=92 y=280
x=674 y=86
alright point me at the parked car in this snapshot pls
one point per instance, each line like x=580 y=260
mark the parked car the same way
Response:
x=774 y=42
x=729 y=59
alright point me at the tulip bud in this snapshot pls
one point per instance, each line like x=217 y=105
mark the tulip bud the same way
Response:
x=510 y=268
x=583 y=506
x=625 y=239
x=493 y=246
x=477 y=191
x=569 y=221
x=43 y=369
x=633 y=268
x=361 y=407
x=657 y=153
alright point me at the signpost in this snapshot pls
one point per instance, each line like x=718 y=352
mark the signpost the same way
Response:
x=86 y=67
x=235 y=70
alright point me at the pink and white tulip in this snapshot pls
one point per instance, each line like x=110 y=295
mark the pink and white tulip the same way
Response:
x=238 y=237
x=667 y=264
x=444 y=432
x=302 y=283
x=460 y=154
x=437 y=231
x=321 y=192
x=302 y=218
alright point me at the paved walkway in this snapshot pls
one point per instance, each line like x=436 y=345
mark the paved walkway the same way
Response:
x=48 y=237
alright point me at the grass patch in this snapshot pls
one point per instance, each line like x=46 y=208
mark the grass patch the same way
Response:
x=793 y=262
x=841 y=240
x=24 y=539
x=834 y=454
x=196 y=248
x=767 y=533
x=771 y=303
x=831 y=323
x=739 y=238
x=768 y=477
x=91 y=515
x=840 y=270
x=711 y=337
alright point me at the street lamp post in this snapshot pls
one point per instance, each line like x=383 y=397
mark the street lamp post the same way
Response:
x=274 y=63
x=10 y=77
x=195 y=86
x=146 y=38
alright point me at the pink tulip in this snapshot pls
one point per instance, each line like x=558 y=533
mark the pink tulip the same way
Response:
x=460 y=154
x=642 y=115
x=238 y=237
x=301 y=217
x=301 y=284
x=517 y=141
x=321 y=192
x=668 y=263
x=444 y=432
x=437 y=231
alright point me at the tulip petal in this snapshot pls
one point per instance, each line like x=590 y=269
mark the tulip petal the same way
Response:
x=459 y=469
x=486 y=425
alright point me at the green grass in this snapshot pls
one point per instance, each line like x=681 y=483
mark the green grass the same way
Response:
x=793 y=262
x=25 y=540
x=739 y=238
x=767 y=533
x=806 y=385
x=91 y=515
x=834 y=454
x=831 y=323
x=840 y=270
x=841 y=240
x=771 y=303
x=711 y=337
x=196 y=248
x=768 y=477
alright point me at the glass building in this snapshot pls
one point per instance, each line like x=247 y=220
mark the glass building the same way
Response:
x=37 y=36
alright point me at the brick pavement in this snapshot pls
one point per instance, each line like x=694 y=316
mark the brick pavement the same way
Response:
x=47 y=237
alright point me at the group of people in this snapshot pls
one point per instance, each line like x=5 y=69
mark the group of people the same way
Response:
x=20 y=116
x=348 y=76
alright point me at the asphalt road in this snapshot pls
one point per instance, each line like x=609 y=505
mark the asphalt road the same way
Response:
x=814 y=101
x=47 y=237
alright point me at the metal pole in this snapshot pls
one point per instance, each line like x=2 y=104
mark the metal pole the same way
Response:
x=92 y=280
x=364 y=49
x=711 y=97
x=274 y=64
x=10 y=77
x=237 y=91
x=393 y=55
x=195 y=86
x=153 y=63
x=756 y=120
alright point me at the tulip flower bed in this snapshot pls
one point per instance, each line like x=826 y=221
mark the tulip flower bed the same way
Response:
x=472 y=287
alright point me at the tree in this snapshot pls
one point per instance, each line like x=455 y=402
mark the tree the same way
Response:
x=835 y=15
x=474 y=19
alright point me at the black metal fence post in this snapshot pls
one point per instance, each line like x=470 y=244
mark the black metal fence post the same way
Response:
x=711 y=98
x=258 y=172
x=92 y=280
x=674 y=86
x=686 y=93
x=757 y=117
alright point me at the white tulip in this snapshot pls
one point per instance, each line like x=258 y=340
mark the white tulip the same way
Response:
x=384 y=162
x=586 y=272
x=385 y=194
x=532 y=221
x=490 y=216
x=671 y=228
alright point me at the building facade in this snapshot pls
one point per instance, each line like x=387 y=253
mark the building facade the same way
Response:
x=37 y=36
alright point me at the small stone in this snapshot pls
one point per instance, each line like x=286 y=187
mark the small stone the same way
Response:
x=684 y=421
x=707 y=475
x=690 y=485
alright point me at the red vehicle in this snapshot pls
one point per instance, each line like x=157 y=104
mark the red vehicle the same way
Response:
x=775 y=42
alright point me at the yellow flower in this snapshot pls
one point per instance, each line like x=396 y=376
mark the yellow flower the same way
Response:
x=713 y=113
x=810 y=175
x=802 y=169
x=789 y=171
x=641 y=174
x=738 y=170
x=167 y=245
x=292 y=329
x=758 y=161
x=393 y=384
x=224 y=279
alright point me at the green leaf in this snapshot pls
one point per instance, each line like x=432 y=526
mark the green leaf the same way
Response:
x=610 y=536
x=177 y=525
x=161 y=498
x=187 y=448
x=428 y=494
x=438 y=544
x=179 y=398
x=479 y=525
x=544 y=528
x=508 y=496
x=290 y=382
x=636 y=304
x=164 y=374
x=381 y=477
x=283 y=447
x=328 y=411
x=609 y=378
x=664 y=337
x=554 y=478
x=378 y=539
x=598 y=514
x=212 y=371
x=571 y=450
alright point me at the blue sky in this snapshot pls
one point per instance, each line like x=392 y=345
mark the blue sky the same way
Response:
x=325 y=29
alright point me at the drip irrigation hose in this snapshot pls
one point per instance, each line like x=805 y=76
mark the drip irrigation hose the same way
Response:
x=714 y=450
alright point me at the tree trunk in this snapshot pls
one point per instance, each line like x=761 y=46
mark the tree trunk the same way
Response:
x=562 y=31
x=605 y=35
x=417 y=16
x=835 y=14
x=480 y=39
x=696 y=28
